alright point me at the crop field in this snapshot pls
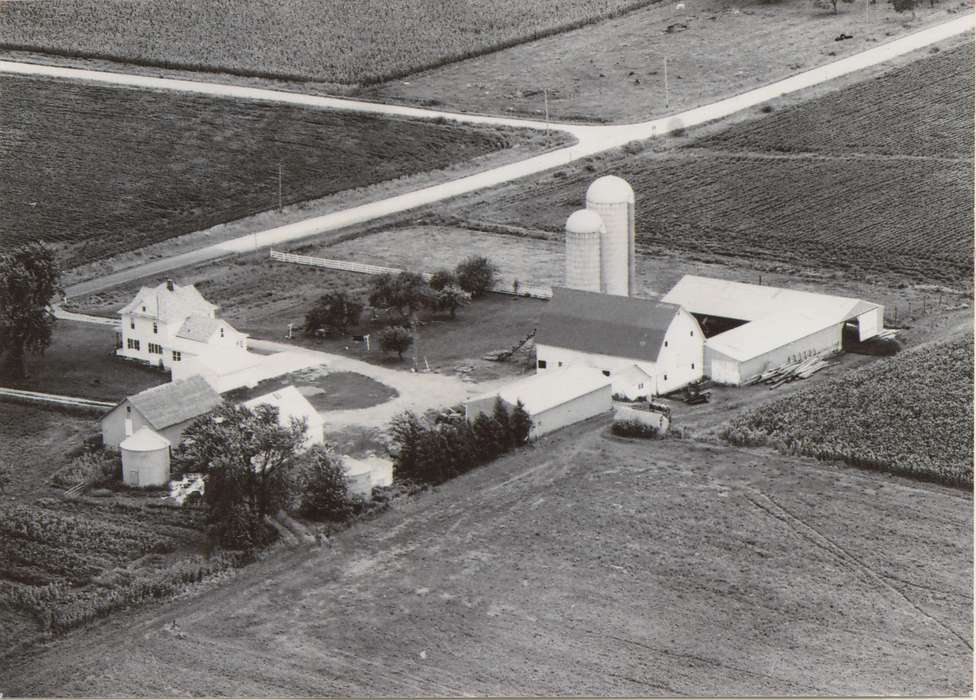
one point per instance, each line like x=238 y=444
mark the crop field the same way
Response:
x=586 y=566
x=339 y=42
x=911 y=414
x=924 y=108
x=97 y=170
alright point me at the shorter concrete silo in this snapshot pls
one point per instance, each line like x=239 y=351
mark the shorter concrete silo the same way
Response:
x=359 y=476
x=613 y=199
x=584 y=234
x=145 y=458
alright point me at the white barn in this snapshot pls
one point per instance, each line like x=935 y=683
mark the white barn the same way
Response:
x=645 y=347
x=765 y=327
x=553 y=400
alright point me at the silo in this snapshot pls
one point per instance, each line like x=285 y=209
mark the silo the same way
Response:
x=359 y=476
x=145 y=458
x=584 y=233
x=613 y=199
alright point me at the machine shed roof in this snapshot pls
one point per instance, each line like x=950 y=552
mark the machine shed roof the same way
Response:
x=176 y=402
x=605 y=324
x=752 y=302
x=551 y=388
x=759 y=337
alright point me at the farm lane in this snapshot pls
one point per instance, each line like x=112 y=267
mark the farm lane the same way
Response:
x=591 y=140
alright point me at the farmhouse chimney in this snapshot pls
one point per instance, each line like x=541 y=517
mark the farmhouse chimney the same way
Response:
x=169 y=285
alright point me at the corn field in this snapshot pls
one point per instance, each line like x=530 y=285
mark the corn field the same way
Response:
x=346 y=42
x=911 y=415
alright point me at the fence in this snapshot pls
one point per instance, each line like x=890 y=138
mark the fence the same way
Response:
x=38 y=397
x=503 y=286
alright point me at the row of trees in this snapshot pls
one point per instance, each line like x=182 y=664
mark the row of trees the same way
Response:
x=400 y=297
x=255 y=467
x=29 y=280
x=436 y=448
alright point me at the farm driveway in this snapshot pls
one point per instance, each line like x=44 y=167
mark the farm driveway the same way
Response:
x=590 y=140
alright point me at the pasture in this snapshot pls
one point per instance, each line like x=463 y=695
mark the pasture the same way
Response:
x=99 y=170
x=585 y=565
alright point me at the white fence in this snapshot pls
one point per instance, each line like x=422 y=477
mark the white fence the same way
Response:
x=39 y=397
x=503 y=286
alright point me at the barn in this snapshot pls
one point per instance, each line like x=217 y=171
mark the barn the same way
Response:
x=553 y=399
x=750 y=328
x=167 y=409
x=645 y=347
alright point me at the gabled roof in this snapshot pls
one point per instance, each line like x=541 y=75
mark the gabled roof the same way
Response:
x=550 y=388
x=759 y=337
x=169 y=305
x=290 y=404
x=605 y=324
x=198 y=328
x=751 y=302
x=176 y=402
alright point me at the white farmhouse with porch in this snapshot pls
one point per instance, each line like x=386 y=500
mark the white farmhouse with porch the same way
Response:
x=170 y=323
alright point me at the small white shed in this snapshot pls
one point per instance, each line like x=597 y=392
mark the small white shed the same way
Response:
x=553 y=399
x=145 y=458
x=292 y=404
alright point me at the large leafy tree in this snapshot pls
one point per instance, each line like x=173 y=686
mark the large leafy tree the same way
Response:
x=333 y=313
x=406 y=293
x=251 y=465
x=476 y=275
x=29 y=281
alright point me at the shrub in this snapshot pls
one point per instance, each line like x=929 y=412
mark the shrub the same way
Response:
x=92 y=466
x=325 y=491
x=476 y=275
x=395 y=339
x=634 y=429
x=442 y=278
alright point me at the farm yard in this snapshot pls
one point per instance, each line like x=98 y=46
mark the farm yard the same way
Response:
x=604 y=571
x=911 y=414
x=900 y=213
x=326 y=391
x=97 y=170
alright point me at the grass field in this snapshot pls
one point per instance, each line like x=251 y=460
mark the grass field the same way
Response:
x=326 y=391
x=912 y=414
x=80 y=362
x=585 y=566
x=345 y=42
x=905 y=213
x=98 y=170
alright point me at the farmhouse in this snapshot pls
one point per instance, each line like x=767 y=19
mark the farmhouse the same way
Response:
x=751 y=328
x=645 y=347
x=292 y=405
x=168 y=324
x=552 y=399
x=167 y=410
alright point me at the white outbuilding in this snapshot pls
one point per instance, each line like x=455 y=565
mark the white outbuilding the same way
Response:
x=553 y=400
x=145 y=458
x=291 y=404
x=645 y=347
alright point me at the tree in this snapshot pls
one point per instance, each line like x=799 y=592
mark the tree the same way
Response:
x=450 y=299
x=334 y=312
x=325 y=487
x=250 y=461
x=406 y=293
x=520 y=424
x=442 y=278
x=829 y=3
x=6 y=477
x=395 y=339
x=476 y=275
x=905 y=6
x=29 y=280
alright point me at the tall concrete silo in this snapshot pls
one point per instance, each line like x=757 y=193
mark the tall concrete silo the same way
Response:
x=584 y=235
x=613 y=199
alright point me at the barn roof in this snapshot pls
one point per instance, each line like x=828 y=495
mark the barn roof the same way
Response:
x=751 y=302
x=605 y=324
x=170 y=404
x=169 y=305
x=551 y=388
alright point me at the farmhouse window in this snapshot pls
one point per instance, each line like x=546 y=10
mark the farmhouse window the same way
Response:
x=155 y=348
x=155 y=327
x=221 y=332
x=606 y=373
x=132 y=323
x=143 y=308
x=665 y=377
x=691 y=333
x=641 y=385
x=693 y=365
x=177 y=356
x=132 y=344
x=542 y=364
x=560 y=364
x=665 y=343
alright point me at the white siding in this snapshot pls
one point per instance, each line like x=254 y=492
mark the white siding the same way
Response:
x=823 y=341
x=682 y=358
x=574 y=411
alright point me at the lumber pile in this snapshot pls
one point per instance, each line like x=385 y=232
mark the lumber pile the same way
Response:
x=792 y=371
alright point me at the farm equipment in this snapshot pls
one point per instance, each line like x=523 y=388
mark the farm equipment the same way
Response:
x=502 y=355
x=694 y=394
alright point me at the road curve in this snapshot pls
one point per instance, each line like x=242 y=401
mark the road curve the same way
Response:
x=590 y=140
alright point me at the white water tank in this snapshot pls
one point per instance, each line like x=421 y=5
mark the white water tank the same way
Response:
x=613 y=199
x=584 y=233
x=145 y=458
x=359 y=476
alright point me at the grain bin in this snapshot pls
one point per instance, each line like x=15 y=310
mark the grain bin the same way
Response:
x=584 y=233
x=358 y=476
x=613 y=199
x=145 y=458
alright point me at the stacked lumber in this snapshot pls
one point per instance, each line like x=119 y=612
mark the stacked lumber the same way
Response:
x=800 y=369
x=887 y=333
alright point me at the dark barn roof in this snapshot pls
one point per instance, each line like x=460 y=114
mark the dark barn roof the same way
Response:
x=176 y=402
x=605 y=324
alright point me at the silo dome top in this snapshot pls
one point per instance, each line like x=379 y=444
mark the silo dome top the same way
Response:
x=144 y=440
x=610 y=189
x=584 y=221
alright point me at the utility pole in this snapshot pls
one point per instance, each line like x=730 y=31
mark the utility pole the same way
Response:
x=279 y=187
x=667 y=92
x=545 y=93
